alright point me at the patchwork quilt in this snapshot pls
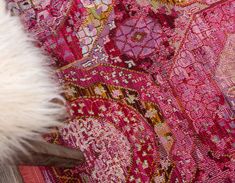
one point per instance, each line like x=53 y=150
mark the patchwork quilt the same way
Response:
x=149 y=87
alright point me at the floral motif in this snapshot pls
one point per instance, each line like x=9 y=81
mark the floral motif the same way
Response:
x=116 y=93
x=138 y=36
x=151 y=113
x=99 y=90
x=131 y=98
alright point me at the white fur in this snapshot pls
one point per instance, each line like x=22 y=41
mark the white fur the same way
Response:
x=26 y=88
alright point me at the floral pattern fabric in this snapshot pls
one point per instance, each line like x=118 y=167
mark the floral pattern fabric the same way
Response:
x=149 y=85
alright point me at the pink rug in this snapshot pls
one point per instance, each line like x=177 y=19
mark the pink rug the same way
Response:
x=149 y=84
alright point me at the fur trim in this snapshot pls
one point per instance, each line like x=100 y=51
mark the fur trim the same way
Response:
x=26 y=88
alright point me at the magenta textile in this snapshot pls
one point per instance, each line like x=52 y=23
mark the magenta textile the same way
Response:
x=149 y=84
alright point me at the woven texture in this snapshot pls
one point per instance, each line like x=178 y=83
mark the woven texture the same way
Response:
x=149 y=85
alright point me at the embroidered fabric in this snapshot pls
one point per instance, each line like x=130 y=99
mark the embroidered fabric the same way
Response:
x=149 y=85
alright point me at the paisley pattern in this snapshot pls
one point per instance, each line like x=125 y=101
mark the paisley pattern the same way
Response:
x=149 y=84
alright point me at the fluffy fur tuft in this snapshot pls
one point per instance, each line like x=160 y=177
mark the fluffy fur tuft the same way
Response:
x=26 y=89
